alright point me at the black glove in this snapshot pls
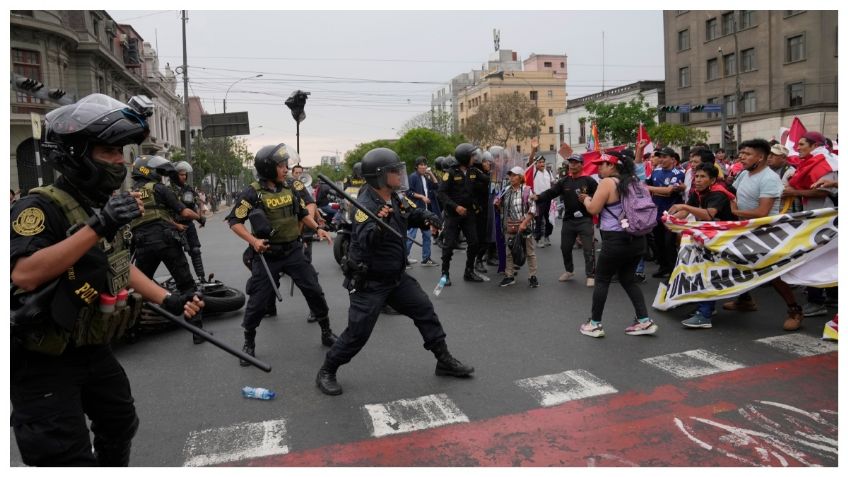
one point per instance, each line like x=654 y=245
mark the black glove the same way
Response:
x=174 y=303
x=119 y=211
x=202 y=221
x=433 y=219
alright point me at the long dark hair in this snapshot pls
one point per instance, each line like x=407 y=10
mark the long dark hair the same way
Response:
x=626 y=173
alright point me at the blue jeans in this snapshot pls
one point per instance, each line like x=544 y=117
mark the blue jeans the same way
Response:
x=426 y=239
x=641 y=267
x=705 y=308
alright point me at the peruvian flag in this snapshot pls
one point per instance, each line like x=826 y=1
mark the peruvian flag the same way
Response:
x=796 y=132
x=813 y=168
x=589 y=168
x=643 y=134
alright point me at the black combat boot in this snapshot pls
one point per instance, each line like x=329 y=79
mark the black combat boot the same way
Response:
x=197 y=263
x=326 y=379
x=470 y=276
x=479 y=266
x=249 y=346
x=447 y=365
x=327 y=336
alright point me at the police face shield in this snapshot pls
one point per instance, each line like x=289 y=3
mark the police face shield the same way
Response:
x=395 y=176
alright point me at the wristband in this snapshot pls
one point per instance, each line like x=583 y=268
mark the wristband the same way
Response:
x=97 y=225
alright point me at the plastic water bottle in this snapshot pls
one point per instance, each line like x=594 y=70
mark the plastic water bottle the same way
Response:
x=441 y=285
x=257 y=393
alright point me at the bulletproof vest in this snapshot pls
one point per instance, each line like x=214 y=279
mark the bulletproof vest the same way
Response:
x=91 y=326
x=280 y=209
x=152 y=210
x=185 y=194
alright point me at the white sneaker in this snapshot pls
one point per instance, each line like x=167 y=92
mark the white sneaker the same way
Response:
x=566 y=276
x=412 y=261
x=590 y=282
x=547 y=241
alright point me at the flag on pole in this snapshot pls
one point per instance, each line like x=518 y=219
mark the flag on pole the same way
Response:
x=588 y=167
x=796 y=132
x=596 y=143
x=643 y=134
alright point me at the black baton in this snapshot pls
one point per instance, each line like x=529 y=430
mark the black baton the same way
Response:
x=208 y=337
x=367 y=212
x=271 y=278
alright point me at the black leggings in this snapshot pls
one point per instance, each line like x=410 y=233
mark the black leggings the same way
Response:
x=620 y=254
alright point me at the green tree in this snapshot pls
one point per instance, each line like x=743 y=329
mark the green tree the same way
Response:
x=355 y=155
x=619 y=122
x=504 y=118
x=672 y=134
x=422 y=142
x=439 y=121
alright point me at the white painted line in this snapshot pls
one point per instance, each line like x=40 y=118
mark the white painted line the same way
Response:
x=693 y=364
x=553 y=389
x=241 y=441
x=407 y=415
x=800 y=345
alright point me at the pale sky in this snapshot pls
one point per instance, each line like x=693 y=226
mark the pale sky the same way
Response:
x=371 y=71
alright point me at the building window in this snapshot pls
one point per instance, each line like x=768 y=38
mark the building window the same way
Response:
x=485 y=97
x=712 y=69
x=713 y=100
x=748 y=60
x=789 y=13
x=796 y=94
x=548 y=64
x=748 y=18
x=684 y=118
x=550 y=93
x=550 y=129
x=550 y=113
x=562 y=134
x=795 y=50
x=683 y=77
x=582 y=138
x=730 y=104
x=534 y=96
x=460 y=107
x=518 y=148
x=712 y=29
x=749 y=102
x=683 y=40
x=562 y=64
x=730 y=64
x=728 y=23
x=26 y=63
x=551 y=146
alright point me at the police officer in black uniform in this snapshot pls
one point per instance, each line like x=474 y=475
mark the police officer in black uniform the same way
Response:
x=461 y=185
x=375 y=272
x=70 y=264
x=156 y=236
x=187 y=194
x=275 y=214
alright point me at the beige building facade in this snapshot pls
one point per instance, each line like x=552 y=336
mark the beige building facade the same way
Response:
x=785 y=62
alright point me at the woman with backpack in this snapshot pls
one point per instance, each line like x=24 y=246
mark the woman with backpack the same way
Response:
x=624 y=204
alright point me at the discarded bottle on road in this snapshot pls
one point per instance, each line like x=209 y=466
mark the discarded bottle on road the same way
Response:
x=257 y=393
x=441 y=285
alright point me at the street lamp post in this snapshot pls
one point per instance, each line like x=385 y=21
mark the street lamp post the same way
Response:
x=231 y=87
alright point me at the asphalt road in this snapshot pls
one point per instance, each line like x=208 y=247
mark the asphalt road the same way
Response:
x=192 y=413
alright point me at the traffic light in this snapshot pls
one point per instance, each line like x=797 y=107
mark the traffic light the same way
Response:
x=668 y=109
x=56 y=93
x=28 y=84
x=697 y=108
x=296 y=102
x=728 y=135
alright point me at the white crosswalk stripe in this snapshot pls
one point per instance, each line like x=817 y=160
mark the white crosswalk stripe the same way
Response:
x=407 y=415
x=553 y=389
x=800 y=345
x=693 y=364
x=241 y=441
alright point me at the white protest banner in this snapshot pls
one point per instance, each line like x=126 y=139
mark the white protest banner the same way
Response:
x=725 y=259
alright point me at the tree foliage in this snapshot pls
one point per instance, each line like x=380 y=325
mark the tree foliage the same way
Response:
x=504 y=118
x=220 y=158
x=619 y=122
x=355 y=155
x=671 y=134
x=423 y=142
x=439 y=121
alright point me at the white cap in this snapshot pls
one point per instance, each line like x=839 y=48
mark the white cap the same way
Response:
x=517 y=170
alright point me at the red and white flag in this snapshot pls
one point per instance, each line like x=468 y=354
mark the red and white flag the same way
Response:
x=643 y=134
x=796 y=132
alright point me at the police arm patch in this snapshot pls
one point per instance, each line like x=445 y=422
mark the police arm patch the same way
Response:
x=445 y=176
x=298 y=186
x=29 y=222
x=360 y=216
x=410 y=202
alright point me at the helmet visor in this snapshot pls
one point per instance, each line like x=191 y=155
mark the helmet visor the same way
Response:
x=400 y=183
x=78 y=116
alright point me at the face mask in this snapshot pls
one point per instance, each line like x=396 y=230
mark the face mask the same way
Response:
x=111 y=176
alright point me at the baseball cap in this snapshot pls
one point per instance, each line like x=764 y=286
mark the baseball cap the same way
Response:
x=575 y=157
x=517 y=170
x=664 y=151
x=612 y=159
x=779 y=150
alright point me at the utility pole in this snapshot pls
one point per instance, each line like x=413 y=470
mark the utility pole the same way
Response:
x=185 y=93
x=738 y=91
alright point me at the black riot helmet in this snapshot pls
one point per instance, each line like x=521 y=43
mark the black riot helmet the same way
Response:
x=357 y=170
x=378 y=162
x=465 y=152
x=152 y=167
x=269 y=157
x=72 y=131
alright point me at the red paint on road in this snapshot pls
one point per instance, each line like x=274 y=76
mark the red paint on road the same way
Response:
x=632 y=428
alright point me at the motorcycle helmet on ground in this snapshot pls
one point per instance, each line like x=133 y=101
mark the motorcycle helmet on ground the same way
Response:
x=377 y=163
x=269 y=157
x=72 y=131
x=466 y=152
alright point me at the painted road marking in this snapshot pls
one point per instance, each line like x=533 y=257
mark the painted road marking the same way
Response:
x=553 y=389
x=246 y=440
x=693 y=364
x=800 y=345
x=407 y=415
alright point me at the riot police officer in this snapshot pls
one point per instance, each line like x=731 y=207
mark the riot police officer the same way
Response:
x=461 y=185
x=156 y=236
x=275 y=213
x=70 y=265
x=375 y=271
x=187 y=194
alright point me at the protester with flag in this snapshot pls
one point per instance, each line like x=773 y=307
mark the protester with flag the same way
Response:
x=793 y=137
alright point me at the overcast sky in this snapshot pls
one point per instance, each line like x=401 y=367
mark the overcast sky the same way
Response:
x=370 y=72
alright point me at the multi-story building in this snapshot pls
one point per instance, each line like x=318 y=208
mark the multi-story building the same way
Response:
x=572 y=126
x=79 y=52
x=331 y=161
x=784 y=62
x=543 y=85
